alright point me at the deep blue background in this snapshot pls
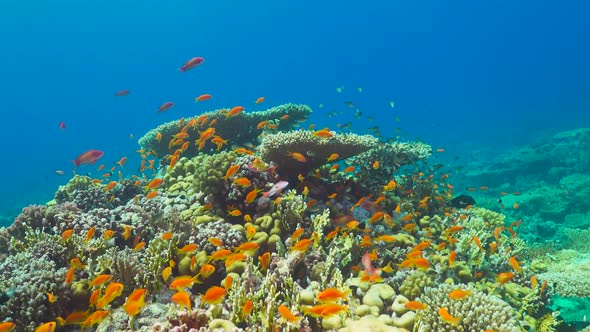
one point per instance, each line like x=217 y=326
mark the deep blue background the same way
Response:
x=463 y=74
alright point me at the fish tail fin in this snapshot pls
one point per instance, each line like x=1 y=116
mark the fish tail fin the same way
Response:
x=182 y=69
x=76 y=162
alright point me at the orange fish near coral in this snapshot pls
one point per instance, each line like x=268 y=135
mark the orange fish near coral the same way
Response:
x=183 y=299
x=415 y=305
x=101 y=279
x=504 y=277
x=446 y=316
x=135 y=301
x=288 y=315
x=332 y=295
x=298 y=156
x=47 y=327
x=7 y=326
x=459 y=294
x=259 y=100
x=234 y=111
x=214 y=295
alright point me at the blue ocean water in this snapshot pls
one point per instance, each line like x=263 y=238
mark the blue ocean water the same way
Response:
x=463 y=74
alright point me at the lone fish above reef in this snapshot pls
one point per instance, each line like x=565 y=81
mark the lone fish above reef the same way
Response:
x=88 y=157
x=192 y=63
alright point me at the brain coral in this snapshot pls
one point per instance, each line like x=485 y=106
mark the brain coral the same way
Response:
x=476 y=312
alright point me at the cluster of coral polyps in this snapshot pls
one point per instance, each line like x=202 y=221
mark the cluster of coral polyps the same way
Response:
x=303 y=230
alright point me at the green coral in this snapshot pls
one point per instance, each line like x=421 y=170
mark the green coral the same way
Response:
x=290 y=211
x=414 y=284
x=209 y=179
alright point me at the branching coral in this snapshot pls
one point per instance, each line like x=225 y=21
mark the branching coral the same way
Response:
x=476 y=312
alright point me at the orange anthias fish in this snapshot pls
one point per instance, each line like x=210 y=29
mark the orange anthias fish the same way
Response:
x=101 y=279
x=231 y=171
x=515 y=264
x=7 y=326
x=415 y=305
x=446 y=316
x=47 y=327
x=203 y=97
x=288 y=315
x=264 y=260
x=234 y=111
x=113 y=290
x=135 y=301
x=248 y=246
x=459 y=294
x=94 y=318
x=323 y=133
x=183 y=299
x=182 y=282
x=155 y=183
x=67 y=234
x=259 y=100
x=332 y=295
x=90 y=233
x=504 y=277
x=298 y=156
x=242 y=182
x=301 y=245
x=247 y=308
x=189 y=248
x=214 y=295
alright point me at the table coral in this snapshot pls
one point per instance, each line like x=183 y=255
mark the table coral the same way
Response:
x=226 y=127
x=316 y=150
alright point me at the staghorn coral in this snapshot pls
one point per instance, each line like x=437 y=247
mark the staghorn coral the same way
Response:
x=276 y=148
x=24 y=283
x=476 y=312
x=226 y=127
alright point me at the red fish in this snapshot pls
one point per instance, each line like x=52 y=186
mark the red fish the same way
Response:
x=192 y=63
x=88 y=157
x=62 y=125
x=165 y=106
x=122 y=93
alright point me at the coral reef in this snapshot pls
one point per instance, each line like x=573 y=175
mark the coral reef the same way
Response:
x=292 y=230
